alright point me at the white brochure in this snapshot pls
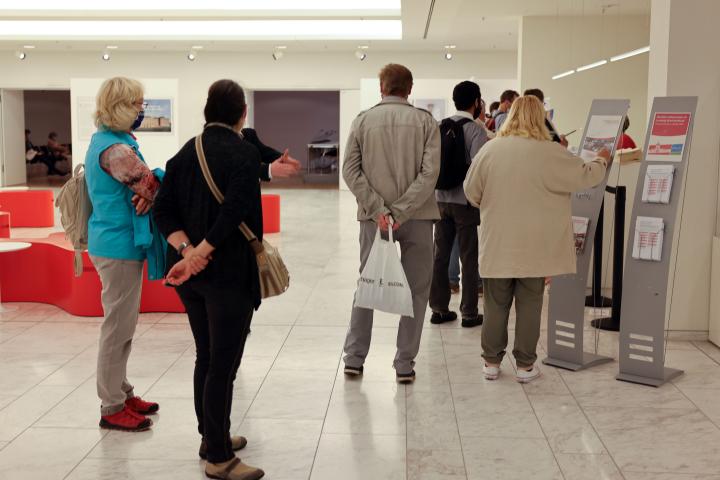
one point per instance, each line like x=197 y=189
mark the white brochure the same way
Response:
x=658 y=183
x=648 y=239
x=580 y=228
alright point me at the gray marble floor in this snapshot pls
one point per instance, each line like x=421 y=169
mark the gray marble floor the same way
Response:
x=304 y=420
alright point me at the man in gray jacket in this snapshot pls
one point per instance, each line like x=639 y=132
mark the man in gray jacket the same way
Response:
x=392 y=162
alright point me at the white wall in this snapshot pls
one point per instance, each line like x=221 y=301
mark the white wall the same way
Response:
x=156 y=148
x=683 y=62
x=428 y=88
x=349 y=109
x=550 y=45
x=321 y=71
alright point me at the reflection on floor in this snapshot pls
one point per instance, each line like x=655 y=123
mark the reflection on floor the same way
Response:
x=304 y=420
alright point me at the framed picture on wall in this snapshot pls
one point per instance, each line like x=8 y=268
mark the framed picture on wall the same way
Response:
x=436 y=106
x=158 y=116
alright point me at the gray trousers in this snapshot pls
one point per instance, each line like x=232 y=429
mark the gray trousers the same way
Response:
x=416 y=255
x=499 y=295
x=121 y=288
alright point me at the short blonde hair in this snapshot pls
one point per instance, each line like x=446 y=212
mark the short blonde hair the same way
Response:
x=526 y=119
x=115 y=99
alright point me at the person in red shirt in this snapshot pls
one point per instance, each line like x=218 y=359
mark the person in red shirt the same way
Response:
x=625 y=141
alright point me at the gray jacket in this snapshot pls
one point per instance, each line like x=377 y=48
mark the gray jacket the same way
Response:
x=392 y=162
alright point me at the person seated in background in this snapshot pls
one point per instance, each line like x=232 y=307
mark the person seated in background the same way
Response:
x=56 y=148
x=625 y=141
x=35 y=154
x=556 y=137
x=506 y=100
x=523 y=185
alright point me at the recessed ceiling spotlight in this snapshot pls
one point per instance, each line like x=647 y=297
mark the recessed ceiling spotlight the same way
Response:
x=363 y=47
x=192 y=55
x=111 y=47
x=21 y=55
x=278 y=54
x=28 y=47
x=448 y=56
x=281 y=47
x=360 y=55
x=106 y=56
x=450 y=47
x=197 y=47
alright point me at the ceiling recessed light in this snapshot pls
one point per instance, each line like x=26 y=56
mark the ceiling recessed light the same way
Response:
x=21 y=55
x=197 y=47
x=591 y=65
x=29 y=47
x=563 y=74
x=281 y=47
x=191 y=55
x=106 y=56
x=629 y=54
x=112 y=47
x=448 y=56
x=450 y=46
x=277 y=54
x=363 y=47
x=360 y=55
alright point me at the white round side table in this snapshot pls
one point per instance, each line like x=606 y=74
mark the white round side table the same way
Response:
x=6 y=247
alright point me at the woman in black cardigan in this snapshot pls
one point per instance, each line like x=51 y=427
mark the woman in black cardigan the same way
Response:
x=214 y=267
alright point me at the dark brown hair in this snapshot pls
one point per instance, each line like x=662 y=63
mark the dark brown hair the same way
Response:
x=225 y=102
x=396 y=80
x=508 y=96
x=535 y=92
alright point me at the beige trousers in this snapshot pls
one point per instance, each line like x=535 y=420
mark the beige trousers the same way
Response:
x=121 y=288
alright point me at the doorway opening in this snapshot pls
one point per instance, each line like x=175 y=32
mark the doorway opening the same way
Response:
x=48 y=137
x=308 y=124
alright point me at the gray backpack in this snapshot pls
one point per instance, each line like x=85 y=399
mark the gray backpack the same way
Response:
x=75 y=209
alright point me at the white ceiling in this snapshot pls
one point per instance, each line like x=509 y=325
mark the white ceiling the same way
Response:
x=472 y=25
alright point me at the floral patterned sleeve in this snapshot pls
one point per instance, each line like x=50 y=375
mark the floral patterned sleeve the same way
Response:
x=122 y=163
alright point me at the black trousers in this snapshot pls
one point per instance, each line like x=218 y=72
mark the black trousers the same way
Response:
x=460 y=220
x=219 y=318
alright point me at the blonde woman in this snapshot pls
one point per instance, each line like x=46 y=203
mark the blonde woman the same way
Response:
x=522 y=183
x=122 y=189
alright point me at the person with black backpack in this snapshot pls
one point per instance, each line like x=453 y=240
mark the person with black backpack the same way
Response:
x=460 y=140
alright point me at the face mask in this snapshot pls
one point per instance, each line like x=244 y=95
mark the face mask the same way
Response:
x=138 y=121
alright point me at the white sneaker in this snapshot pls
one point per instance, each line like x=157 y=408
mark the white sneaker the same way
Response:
x=490 y=372
x=527 y=376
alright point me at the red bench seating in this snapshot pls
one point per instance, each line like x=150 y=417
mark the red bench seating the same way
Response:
x=44 y=273
x=29 y=208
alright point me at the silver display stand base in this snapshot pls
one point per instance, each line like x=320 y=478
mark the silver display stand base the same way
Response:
x=589 y=360
x=669 y=374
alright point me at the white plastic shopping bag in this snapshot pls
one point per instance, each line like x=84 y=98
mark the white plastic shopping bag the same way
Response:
x=383 y=285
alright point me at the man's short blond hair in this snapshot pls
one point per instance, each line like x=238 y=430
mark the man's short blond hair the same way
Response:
x=114 y=103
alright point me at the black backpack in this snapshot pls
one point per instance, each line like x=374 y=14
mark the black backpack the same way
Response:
x=453 y=157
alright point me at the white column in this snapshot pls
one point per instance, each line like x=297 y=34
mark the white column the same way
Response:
x=684 y=37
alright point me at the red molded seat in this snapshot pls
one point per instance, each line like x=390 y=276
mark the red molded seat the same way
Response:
x=271 y=213
x=4 y=225
x=44 y=273
x=29 y=208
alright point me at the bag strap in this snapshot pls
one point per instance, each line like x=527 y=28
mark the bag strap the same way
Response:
x=249 y=235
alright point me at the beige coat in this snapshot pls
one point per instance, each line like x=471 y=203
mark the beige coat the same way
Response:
x=392 y=162
x=523 y=188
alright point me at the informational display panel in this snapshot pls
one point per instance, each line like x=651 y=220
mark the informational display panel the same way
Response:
x=647 y=264
x=566 y=310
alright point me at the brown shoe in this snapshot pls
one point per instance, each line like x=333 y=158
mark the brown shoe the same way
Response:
x=454 y=288
x=238 y=443
x=233 y=470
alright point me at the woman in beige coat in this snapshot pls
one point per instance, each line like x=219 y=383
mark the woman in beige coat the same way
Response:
x=522 y=183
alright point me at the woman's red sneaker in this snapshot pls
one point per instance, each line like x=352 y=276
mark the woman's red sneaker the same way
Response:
x=125 y=420
x=142 y=407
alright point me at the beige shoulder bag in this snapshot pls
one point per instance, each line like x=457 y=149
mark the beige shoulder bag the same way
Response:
x=274 y=275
